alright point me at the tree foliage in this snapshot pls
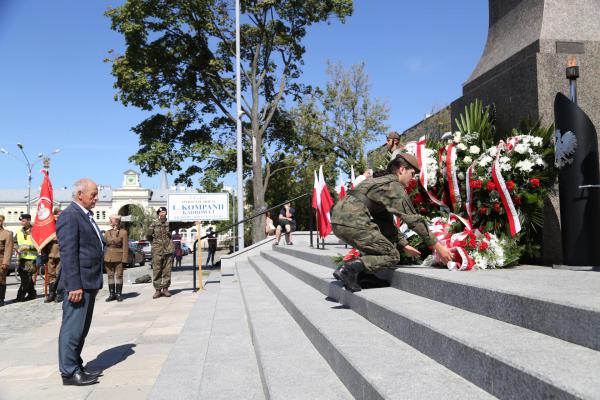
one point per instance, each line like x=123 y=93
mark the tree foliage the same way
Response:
x=341 y=117
x=180 y=58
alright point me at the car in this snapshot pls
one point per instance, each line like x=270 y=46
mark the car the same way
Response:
x=146 y=248
x=136 y=255
x=185 y=249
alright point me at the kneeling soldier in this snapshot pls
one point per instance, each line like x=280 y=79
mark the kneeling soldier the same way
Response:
x=364 y=220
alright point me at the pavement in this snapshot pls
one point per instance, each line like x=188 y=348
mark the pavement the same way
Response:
x=129 y=341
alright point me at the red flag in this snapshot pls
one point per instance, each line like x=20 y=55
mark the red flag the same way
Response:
x=341 y=189
x=44 y=228
x=324 y=203
x=315 y=203
x=352 y=178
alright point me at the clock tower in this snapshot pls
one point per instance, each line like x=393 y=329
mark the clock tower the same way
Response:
x=131 y=179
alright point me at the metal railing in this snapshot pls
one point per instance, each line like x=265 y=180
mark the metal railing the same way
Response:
x=195 y=247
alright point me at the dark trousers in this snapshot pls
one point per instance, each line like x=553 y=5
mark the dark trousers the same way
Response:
x=76 y=321
x=211 y=255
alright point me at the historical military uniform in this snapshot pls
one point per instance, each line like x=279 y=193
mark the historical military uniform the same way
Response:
x=6 y=249
x=364 y=219
x=117 y=253
x=27 y=267
x=52 y=251
x=162 y=256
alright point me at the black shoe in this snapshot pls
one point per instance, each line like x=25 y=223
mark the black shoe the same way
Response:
x=59 y=296
x=2 y=294
x=31 y=296
x=90 y=373
x=349 y=274
x=20 y=295
x=78 y=379
x=337 y=273
x=119 y=287
x=51 y=293
x=111 y=290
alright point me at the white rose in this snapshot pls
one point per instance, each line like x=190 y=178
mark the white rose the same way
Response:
x=521 y=148
x=485 y=160
x=468 y=160
x=457 y=136
x=461 y=176
x=474 y=150
x=537 y=141
x=461 y=146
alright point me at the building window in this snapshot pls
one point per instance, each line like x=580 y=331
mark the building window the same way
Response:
x=103 y=215
x=97 y=214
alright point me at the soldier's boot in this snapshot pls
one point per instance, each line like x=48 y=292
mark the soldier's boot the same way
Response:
x=31 y=293
x=118 y=292
x=2 y=294
x=349 y=274
x=51 y=293
x=166 y=293
x=20 y=294
x=60 y=293
x=337 y=274
x=111 y=291
x=157 y=294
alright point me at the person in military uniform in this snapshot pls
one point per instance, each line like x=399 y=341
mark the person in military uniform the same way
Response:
x=6 y=249
x=116 y=254
x=51 y=251
x=212 y=246
x=27 y=255
x=378 y=159
x=162 y=253
x=364 y=220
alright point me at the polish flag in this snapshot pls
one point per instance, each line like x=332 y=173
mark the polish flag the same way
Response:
x=352 y=177
x=322 y=203
x=341 y=189
x=44 y=228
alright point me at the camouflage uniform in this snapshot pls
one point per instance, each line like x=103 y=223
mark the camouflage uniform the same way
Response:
x=162 y=253
x=364 y=220
x=6 y=249
x=379 y=158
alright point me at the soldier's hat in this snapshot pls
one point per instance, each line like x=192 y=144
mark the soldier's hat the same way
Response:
x=25 y=216
x=393 y=135
x=410 y=159
x=161 y=209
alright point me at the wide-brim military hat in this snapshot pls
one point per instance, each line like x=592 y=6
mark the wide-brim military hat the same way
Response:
x=161 y=209
x=25 y=216
x=411 y=160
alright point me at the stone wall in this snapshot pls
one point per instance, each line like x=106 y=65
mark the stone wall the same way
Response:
x=434 y=125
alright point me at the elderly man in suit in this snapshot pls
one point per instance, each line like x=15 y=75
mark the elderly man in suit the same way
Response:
x=81 y=251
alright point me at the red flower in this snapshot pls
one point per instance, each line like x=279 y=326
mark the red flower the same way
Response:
x=510 y=185
x=535 y=182
x=473 y=243
x=476 y=184
x=483 y=210
x=418 y=198
x=483 y=245
x=517 y=200
x=497 y=207
x=423 y=210
x=460 y=243
x=490 y=186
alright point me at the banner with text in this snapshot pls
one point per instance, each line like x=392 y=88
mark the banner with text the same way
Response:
x=186 y=207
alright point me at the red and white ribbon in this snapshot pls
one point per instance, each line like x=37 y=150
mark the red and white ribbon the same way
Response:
x=469 y=203
x=513 y=217
x=421 y=155
x=451 y=176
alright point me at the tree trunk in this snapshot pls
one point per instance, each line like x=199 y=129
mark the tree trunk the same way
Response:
x=258 y=188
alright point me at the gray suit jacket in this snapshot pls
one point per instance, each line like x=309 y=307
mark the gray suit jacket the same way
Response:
x=81 y=252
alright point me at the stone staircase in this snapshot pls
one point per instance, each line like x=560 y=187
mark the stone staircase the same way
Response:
x=527 y=332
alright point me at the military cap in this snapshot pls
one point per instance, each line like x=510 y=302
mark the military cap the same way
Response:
x=412 y=160
x=393 y=135
x=25 y=216
x=161 y=209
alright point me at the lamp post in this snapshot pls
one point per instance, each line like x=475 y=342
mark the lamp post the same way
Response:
x=30 y=166
x=240 y=165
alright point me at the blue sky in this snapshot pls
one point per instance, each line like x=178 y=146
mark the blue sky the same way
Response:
x=55 y=91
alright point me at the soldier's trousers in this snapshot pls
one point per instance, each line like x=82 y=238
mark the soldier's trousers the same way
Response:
x=161 y=270
x=377 y=251
x=53 y=269
x=114 y=272
x=3 y=273
x=27 y=269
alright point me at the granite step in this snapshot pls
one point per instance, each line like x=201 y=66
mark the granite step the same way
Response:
x=560 y=303
x=291 y=368
x=369 y=361
x=506 y=360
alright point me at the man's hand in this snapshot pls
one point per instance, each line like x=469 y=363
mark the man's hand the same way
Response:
x=411 y=251
x=75 y=296
x=443 y=253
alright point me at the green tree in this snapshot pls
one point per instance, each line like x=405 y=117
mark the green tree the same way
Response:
x=179 y=59
x=342 y=117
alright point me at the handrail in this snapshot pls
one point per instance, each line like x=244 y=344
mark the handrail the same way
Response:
x=255 y=215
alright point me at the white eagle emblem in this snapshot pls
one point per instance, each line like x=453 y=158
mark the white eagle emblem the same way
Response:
x=565 y=146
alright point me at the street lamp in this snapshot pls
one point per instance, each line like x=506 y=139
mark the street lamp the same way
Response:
x=30 y=166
